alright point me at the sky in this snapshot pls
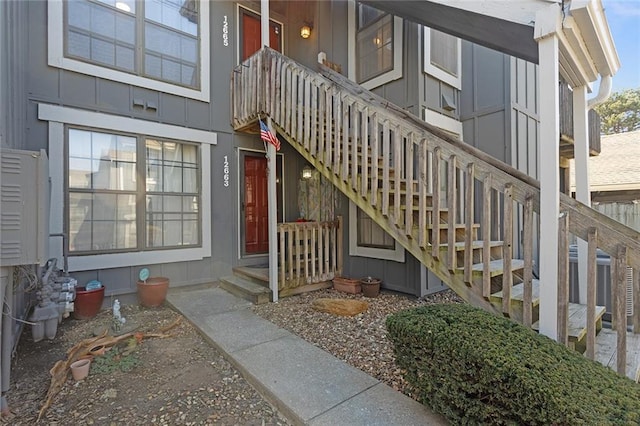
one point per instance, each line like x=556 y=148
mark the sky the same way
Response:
x=624 y=22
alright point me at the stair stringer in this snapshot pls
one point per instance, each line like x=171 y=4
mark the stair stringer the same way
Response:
x=455 y=280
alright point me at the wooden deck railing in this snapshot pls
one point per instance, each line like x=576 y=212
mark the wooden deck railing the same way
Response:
x=309 y=253
x=419 y=184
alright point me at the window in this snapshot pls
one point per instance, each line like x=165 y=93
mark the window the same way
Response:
x=442 y=56
x=107 y=203
x=378 y=46
x=368 y=239
x=370 y=234
x=157 y=44
x=92 y=163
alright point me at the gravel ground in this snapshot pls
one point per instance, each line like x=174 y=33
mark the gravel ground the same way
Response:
x=360 y=340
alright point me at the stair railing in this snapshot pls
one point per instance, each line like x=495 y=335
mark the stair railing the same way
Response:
x=410 y=178
x=309 y=253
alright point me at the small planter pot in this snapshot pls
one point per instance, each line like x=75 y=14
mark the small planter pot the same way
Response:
x=347 y=285
x=153 y=291
x=80 y=369
x=370 y=286
x=88 y=303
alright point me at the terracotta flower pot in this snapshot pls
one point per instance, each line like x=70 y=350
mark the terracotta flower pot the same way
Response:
x=347 y=285
x=153 y=291
x=80 y=369
x=370 y=286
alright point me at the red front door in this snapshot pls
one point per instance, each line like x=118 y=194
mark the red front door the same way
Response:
x=251 y=35
x=256 y=207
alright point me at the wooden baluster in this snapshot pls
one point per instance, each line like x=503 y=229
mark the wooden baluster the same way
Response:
x=592 y=276
x=291 y=230
x=435 y=215
x=339 y=249
x=346 y=131
x=507 y=250
x=620 y=307
x=527 y=297
x=469 y=222
x=451 y=204
x=398 y=174
x=300 y=109
x=282 y=232
x=563 y=279
x=307 y=113
x=486 y=237
x=385 y=167
x=321 y=269
x=364 y=143
x=314 y=253
x=306 y=252
x=422 y=197
x=322 y=119
x=408 y=213
x=337 y=141
x=282 y=118
x=375 y=152
x=313 y=135
x=353 y=131
x=288 y=100
x=636 y=300
x=329 y=135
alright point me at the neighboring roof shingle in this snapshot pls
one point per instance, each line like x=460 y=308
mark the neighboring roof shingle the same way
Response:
x=618 y=165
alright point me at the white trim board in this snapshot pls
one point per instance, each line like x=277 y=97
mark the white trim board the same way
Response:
x=442 y=121
x=56 y=58
x=100 y=120
x=57 y=117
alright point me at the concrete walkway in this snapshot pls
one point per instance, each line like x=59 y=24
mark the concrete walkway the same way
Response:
x=308 y=385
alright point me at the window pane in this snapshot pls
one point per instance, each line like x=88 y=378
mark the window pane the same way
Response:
x=104 y=207
x=190 y=232
x=190 y=180
x=79 y=173
x=367 y=14
x=178 y=14
x=444 y=52
x=170 y=55
x=172 y=204
x=154 y=234
x=370 y=234
x=375 y=49
x=190 y=204
x=172 y=233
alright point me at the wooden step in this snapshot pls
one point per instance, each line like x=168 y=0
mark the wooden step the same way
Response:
x=478 y=244
x=254 y=293
x=578 y=324
x=496 y=267
x=517 y=301
x=517 y=293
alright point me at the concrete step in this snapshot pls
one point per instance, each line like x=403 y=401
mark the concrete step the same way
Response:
x=254 y=293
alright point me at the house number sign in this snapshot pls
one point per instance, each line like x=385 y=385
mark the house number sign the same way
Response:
x=225 y=31
x=225 y=171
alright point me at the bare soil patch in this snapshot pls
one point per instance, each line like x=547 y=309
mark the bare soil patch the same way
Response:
x=180 y=380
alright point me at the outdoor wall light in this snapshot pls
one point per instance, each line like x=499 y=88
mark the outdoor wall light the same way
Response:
x=307 y=172
x=305 y=31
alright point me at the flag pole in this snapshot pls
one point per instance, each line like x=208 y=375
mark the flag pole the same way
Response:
x=271 y=176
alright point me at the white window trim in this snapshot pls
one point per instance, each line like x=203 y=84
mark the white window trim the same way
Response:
x=396 y=255
x=440 y=74
x=396 y=72
x=444 y=122
x=56 y=58
x=57 y=117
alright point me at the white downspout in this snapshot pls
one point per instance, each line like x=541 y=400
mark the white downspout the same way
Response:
x=604 y=91
x=271 y=176
x=581 y=148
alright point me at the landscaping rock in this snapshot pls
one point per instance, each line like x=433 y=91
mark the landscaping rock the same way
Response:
x=342 y=307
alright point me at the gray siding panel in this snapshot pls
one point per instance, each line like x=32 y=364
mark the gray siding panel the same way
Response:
x=114 y=97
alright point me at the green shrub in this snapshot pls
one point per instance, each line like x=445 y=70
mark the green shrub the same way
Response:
x=477 y=368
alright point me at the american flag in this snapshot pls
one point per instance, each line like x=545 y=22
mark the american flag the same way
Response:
x=268 y=136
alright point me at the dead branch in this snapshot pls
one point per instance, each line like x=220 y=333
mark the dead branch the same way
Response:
x=60 y=371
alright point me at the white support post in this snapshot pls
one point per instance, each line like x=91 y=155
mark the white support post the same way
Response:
x=271 y=176
x=583 y=194
x=549 y=146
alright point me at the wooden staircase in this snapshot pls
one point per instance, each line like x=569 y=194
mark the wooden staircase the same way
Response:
x=450 y=205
